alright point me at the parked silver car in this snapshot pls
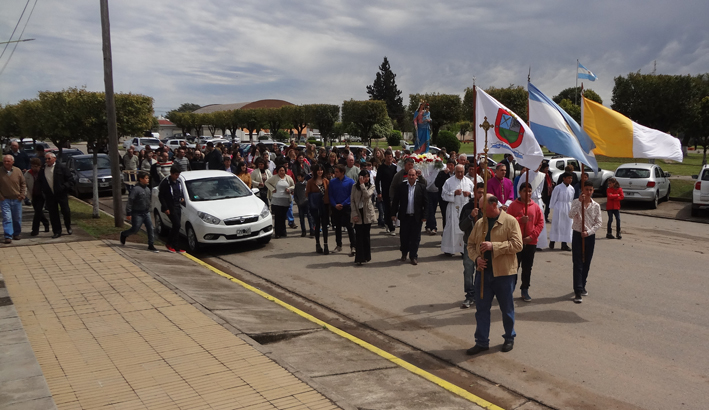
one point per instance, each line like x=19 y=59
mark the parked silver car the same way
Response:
x=644 y=182
x=558 y=164
x=700 y=193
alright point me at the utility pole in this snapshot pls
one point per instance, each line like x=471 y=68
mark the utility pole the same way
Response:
x=111 y=116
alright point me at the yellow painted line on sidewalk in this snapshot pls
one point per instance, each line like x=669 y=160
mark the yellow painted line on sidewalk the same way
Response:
x=406 y=365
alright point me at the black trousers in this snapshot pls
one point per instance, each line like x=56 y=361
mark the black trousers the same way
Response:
x=410 y=231
x=444 y=208
x=581 y=265
x=38 y=206
x=279 y=214
x=342 y=218
x=321 y=218
x=53 y=204
x=176 y=221
x=386 y=201
x=525 y=258
x=363 y=245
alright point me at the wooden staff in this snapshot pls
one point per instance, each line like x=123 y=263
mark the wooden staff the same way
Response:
x=526 y=205
x=486 y=126
x=475 y=143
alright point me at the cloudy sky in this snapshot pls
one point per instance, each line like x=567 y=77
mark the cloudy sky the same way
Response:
x=327 y=51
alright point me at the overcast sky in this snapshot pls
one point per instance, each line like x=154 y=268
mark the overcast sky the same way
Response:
x=319 y=51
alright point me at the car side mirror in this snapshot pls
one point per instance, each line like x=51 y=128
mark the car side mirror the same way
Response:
x=667 y=175
x=695 y=176
x=255 y=191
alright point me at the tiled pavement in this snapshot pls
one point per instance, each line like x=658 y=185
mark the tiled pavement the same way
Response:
x=107 y=335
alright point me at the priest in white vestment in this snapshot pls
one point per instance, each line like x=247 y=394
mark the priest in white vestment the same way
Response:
x=457 y=192
x=560 y=203
x=536 y=179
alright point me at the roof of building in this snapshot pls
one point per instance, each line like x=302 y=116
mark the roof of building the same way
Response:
x=165 y=122
x=242 y=106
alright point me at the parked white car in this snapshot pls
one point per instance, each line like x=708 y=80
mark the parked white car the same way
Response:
x=644 y=182
x=700 y=194
x=219 y=208
x=557 y=164
x=175 y=143
x=203 y=145
x=139 y=144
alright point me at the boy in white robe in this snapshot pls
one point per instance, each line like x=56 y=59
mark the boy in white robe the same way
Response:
x=560 y=202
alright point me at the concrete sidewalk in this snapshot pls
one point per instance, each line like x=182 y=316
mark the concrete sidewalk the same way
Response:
x=108 y=335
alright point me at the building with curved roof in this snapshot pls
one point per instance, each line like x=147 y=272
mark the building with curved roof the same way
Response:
x=242 y=106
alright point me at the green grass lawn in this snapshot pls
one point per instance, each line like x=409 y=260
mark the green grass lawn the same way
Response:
x=682 y=188
x=102 y=227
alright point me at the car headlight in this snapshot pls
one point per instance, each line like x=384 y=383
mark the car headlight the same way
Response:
x=264 y=212
x=208 y=218
x=84 y=181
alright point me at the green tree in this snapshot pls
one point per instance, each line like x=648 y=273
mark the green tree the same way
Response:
x=573 y=94
x=362 y=116
x=9 y=123
x=384 y=89
x=572 y=109
x=188 y=107
x=235 y=121
x=181 y=120
x=220 y=121
x=273 y=117
x=298 y=116
x=324 y=117
x=445 y=109
x=196 y=122
x=656 y=101
x=468 y=109
x=254 y=120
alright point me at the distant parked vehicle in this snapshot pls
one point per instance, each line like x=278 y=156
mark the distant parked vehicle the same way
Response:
x=29 y=147
x=644 y=182
x=66 y=154
x=557 y=164
x=700 y=194
x=140 y=143
x=81 y=168
x=175 y=143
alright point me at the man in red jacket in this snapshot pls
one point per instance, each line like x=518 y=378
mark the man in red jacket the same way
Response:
x=531 y=223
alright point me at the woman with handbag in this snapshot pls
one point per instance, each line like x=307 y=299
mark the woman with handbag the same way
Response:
x=362 y=216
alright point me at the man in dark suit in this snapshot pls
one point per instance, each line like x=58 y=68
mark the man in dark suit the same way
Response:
x=410 y=203
x=56 y=182
x=511 y=165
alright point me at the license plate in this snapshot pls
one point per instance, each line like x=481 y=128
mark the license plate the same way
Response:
x=243 y=232
x=104 y=184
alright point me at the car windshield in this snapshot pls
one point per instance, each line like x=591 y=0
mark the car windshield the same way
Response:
x=86 y=164
x=211 y=189
x=149 y=141
x=705 y=175
x=632 y=173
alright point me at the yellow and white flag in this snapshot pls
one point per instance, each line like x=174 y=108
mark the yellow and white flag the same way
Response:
x=615 y=135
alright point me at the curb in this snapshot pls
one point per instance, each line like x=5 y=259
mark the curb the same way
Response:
x=406 y=365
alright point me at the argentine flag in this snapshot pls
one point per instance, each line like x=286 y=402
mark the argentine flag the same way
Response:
x=556 y=130
x=585 y=73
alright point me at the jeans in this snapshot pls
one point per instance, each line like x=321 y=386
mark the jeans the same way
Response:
x=321 y=217
x=289 y=214
x=611 y=213
x=342 y=218
x=433 y=198
x=11 y=217
x=410 y=233
x=581 y=265
x=380 y=211
x=137 y=220
x=468 y=276
x=302 y=215
x=501 y=287
x=525 y=258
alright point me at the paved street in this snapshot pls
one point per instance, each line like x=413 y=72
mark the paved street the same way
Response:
x=635 y=342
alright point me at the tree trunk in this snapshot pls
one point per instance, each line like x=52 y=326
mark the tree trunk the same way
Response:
x=704 y=156
x=94 y=179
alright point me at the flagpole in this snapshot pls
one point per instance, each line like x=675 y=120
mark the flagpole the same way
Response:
x=577 y=81
x=526 y=203
x=485 y=126
x=475 y=142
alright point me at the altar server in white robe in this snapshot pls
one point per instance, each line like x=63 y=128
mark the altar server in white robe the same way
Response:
x=456 y=191
x=560 y=203
x=536 y=179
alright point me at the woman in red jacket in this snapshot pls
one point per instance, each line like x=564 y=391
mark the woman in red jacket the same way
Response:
x=615 y=195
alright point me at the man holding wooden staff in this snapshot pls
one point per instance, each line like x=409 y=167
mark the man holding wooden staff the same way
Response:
x=495 y=253
x=586 y=215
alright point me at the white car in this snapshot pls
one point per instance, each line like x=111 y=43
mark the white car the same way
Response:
x=175 y=143
x=700 y=194
x=219 y=208
x=140 y=143
x=203 y=145
x=557 y=165
x=644 y=182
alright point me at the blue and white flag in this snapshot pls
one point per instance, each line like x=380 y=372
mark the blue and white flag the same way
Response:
x=556 y=130
x=585 y=73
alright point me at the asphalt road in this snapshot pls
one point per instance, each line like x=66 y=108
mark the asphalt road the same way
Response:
x=637 y=341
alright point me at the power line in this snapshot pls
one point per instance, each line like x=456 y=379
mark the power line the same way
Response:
x=20 y=38
x=15 y=29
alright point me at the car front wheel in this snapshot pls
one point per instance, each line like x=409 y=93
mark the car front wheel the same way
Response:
x=192 y=242
x=669 y=188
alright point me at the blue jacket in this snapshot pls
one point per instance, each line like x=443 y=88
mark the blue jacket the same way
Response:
x=340 y=191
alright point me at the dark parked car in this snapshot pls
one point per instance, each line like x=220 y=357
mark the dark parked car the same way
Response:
x=66 y=154
x=81 y=168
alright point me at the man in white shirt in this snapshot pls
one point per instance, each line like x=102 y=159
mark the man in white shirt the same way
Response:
x=584 y=237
